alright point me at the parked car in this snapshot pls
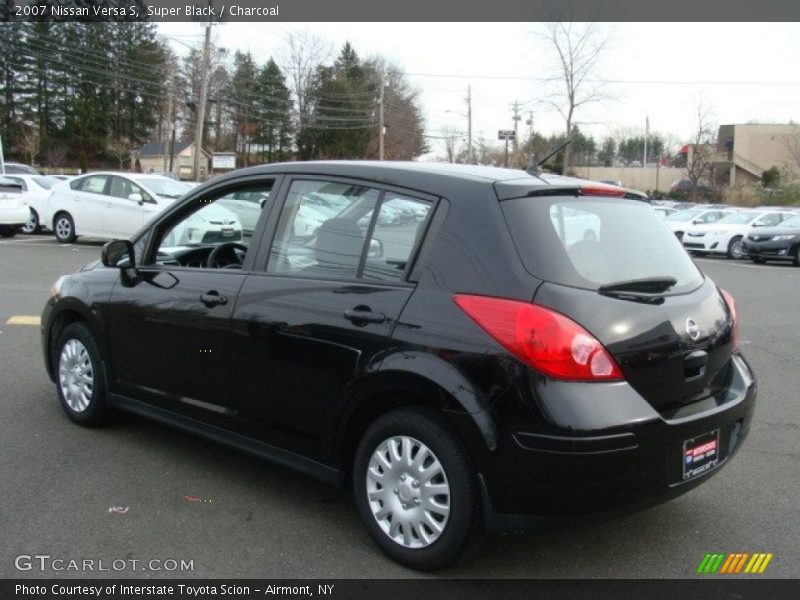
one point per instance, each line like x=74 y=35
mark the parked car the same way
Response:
x=14 y=210
x=108 y=205
x=725 y=235
x=781 y=242
x=15 y=168
x=682 y=220
x=489 y=365
x=687 y=186
x=37 y=189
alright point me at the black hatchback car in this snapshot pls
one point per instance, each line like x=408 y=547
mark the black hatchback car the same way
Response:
x=467 y=347
x=774 y=243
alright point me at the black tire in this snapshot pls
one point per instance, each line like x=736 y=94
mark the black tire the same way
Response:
x=64 y=228
x=32 y=226
x=8 y=232
x=96 y=411
x=732 y=248
x=462 y=524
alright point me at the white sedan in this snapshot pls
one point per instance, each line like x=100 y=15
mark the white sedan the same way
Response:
x=725 y=236
x=682 y=220
x=36 y=189
x=108 y=205
x=14 y=208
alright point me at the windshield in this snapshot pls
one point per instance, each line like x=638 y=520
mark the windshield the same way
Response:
x=684 y=215
x=166 y=188
x=591 y=242
x=791 y=223
x=47 y=182
x=738 y=218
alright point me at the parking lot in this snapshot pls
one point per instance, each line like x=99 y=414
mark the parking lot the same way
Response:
x=234 y=516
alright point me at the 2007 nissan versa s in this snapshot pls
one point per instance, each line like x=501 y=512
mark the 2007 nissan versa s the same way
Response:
x=469 y=347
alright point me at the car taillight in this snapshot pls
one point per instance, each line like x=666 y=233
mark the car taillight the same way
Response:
x=598 y=190
x=548 y=341
x=734 y=317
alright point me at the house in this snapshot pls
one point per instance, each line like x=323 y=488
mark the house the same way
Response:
x=154 y=158
x=744 y=152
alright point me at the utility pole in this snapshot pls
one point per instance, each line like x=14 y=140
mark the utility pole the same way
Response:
x=517 y=117
x=166 y=150
x=469 y=125
x=201 y=109
x=529 y=123
x=2 y=159
x=381 y=124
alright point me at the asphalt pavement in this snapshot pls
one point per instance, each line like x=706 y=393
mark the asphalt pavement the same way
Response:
x=65 y=489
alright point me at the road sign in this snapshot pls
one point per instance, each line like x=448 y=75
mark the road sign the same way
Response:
x=506 y=134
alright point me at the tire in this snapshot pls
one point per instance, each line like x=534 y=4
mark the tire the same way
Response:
x=64 y=228
x=735 y=248
x=451 y=522
x=797 y=256
x=8 y=232
x=80 y=376
x=32 y=226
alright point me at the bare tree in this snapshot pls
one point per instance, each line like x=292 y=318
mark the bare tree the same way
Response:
x=300 y=57
x=791 y=142
x=578 y=48
x=121 y=150
x=450 y=138
x=700 y=166
x=55 y=155
x=30 y=141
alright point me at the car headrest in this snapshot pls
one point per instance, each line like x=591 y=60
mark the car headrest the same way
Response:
x=339 y=242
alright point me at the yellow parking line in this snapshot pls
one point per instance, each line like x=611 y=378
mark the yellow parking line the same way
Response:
x=24 y=320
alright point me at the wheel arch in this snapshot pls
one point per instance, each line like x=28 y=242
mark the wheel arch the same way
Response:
x=67 y=312
x=419 y=379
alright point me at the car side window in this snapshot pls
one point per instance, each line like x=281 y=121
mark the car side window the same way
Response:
x=21 y=182
x=123 y=188
x=95 y=184
x=770 y=220
x=211 y=231
x=321 y=230
x=397 y=231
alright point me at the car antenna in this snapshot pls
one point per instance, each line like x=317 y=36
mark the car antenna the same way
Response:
x=535 y=170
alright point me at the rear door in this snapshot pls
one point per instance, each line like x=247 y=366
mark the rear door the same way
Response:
x=673 y=345
x=90 y=202
x=323 y=305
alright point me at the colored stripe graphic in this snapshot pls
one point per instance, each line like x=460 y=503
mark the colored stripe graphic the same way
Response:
x=741 y=562
x=729 y=564
x=726 y=567
x=764 y=564
x=702 y=567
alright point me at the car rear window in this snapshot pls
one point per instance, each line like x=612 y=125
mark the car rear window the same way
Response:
x=590 y=242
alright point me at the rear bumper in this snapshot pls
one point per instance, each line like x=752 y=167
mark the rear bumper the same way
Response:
x=771 y=250
x=559 y=478
x=14 y=217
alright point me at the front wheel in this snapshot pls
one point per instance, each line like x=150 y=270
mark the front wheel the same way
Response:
x=64 y=228
x=735 y=248
x=80 y=376
x=415 y=489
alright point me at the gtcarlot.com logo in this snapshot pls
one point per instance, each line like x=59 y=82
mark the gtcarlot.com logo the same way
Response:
x=735 y=563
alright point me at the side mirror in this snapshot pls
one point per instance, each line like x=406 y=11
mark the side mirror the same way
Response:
x=757 y=225
x=118 y=254
x=136 y=198
x=375 y=249
x=696 y=222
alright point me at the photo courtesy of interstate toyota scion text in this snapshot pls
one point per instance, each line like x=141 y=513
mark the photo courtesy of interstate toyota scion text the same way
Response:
x=467 y=348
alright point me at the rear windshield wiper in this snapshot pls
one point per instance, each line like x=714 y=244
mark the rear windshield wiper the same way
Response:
x=645 y=285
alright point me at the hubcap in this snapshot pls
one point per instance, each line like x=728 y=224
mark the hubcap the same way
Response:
x=408 y=492
x=30 y=226
x=63 y=227
x=76 y=375
x=736 y=248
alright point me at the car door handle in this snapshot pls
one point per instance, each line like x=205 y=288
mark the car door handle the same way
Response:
x=213 y=298
x=109 y=205
x=361 y=316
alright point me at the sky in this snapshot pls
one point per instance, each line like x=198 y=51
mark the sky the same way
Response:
x=740 y=72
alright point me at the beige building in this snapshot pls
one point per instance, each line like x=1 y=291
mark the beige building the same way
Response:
x=746 y=151
x=154 y=158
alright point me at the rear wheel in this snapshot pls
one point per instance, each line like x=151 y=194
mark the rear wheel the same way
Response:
x=8 y=232
x=735 y=248
x=32 y=226
x=64 y=228
x=80 y=376
x=415 y=490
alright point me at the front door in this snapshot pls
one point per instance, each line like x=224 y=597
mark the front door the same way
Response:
x=170 y=325
x=323 y=308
